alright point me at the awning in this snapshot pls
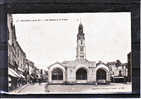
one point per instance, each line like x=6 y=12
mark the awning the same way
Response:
x=20 y=69
x=118 y=77
x=13 y=73
x=21 y=75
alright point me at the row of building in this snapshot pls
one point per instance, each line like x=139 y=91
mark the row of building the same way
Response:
x=20 y=69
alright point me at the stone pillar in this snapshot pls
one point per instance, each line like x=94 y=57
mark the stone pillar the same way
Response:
x=65 y=80
x=49 y=76
x=70 y=75
x=108 y=76
x=91 y=75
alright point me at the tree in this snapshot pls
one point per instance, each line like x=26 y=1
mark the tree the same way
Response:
x=118 y=63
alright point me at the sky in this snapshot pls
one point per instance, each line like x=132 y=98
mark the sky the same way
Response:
x=53 y=37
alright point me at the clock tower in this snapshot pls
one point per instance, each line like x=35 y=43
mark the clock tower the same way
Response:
x=80 y=50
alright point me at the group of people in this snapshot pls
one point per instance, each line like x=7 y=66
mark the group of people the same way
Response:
x=35 y=79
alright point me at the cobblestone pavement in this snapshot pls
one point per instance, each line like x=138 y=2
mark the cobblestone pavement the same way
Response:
x=44 y=88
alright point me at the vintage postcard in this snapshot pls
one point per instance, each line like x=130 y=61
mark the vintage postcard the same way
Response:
x=88 y=53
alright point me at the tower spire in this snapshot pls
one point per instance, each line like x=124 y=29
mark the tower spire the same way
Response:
x=80 y=43
x=80 y=34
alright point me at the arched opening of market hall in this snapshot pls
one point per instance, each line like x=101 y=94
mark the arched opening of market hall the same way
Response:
x=57 y=74
x=81 y=74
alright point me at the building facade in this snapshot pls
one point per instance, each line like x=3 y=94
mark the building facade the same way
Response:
x=20 y=69
x=79 y=70
x=129 y=56
x=33 y=73
x=16 y=58
x=30 y=70
x=118 y=71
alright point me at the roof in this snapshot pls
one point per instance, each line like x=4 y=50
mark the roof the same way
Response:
x=55 y=64
x=20 y=48
x=73 y=63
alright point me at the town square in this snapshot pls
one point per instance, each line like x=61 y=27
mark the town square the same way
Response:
x=38 y=64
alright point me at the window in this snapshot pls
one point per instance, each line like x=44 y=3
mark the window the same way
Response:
x=81 y=48
x=81 y=42
x=57 y=74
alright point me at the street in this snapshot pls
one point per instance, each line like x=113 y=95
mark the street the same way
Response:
x=31 y=88
x=43 y=88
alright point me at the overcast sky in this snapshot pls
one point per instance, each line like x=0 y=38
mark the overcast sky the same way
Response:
x=107 y=36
